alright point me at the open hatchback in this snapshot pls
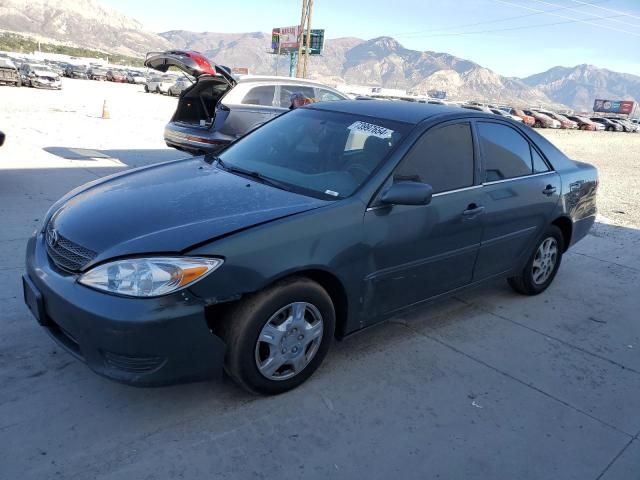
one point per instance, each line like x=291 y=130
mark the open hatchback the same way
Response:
x=219 y=107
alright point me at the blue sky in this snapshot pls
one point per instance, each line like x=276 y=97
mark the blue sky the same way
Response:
x=512 y=37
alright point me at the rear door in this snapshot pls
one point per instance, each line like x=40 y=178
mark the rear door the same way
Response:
x=519 y=193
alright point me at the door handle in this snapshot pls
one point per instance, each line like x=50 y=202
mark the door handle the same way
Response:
x=472 y=211
x=550 y=190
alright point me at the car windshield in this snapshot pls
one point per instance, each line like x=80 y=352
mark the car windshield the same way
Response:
x=314 y=152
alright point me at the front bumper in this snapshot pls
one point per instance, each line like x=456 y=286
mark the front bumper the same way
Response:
x=45 y=84
x=143 y=342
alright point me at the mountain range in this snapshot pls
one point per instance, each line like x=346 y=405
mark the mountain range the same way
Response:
x=376 y=62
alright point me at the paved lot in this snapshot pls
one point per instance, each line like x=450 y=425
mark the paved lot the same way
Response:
x=486 y=385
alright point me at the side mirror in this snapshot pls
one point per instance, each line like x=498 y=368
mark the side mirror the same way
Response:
x=1 y=138
x=407 y=193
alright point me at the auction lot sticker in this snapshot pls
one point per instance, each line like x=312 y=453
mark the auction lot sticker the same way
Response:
x=371 y=129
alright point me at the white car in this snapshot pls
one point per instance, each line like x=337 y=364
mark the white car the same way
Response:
x=136 y=77
x=159 y=84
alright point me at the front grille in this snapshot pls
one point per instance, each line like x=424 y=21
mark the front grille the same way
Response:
x=68 y=255
x=133 y=364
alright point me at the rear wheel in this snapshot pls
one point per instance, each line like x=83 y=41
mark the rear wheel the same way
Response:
x=609 y=129
x=277 y=338
x=542 y=266
x=537 y=124
x=158 y=90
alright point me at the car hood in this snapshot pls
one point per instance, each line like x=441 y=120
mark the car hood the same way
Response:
x=169 y=208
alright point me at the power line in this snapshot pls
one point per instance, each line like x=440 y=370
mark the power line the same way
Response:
x=593 y=14
x=508 y=29
x=607 y=9
x=608 y=27
x=485 y=22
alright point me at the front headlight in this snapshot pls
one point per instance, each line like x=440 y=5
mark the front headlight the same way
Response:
x=149 y=277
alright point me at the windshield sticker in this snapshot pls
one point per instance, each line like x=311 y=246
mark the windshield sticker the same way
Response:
x=332 y=193
x=371 y=129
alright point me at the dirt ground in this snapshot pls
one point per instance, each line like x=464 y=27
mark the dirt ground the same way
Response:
x=484 y=385
x=617 y=156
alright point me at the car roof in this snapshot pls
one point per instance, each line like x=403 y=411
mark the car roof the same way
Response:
x=278 y=80
x=407 y=112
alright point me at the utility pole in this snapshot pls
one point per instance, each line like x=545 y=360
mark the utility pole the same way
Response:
x=303 y=21
x=308 y=48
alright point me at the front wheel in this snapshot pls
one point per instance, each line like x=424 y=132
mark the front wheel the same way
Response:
x=542 y=266
x=277 y=338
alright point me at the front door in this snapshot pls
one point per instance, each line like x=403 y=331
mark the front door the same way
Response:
x=417 y=252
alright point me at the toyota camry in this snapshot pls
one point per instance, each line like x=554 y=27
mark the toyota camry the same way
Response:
x=322 y=222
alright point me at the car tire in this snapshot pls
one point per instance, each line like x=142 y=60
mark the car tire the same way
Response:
x=158 y=90
x=169 y=93
x=543 y=264
x=19 y=83
x=537 y=124
x=146 y=88
x=609 y=129
x=298 y=317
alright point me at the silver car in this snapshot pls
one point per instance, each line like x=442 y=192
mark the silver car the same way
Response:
x=220 y=108
x=159 y=83
x=177 y=88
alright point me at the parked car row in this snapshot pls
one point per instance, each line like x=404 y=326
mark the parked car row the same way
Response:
x=543 y=118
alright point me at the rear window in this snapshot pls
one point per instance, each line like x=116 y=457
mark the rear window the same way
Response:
x=262 y=95
x=287 y=90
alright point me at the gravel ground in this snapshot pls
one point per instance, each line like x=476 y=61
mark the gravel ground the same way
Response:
x=617 y=156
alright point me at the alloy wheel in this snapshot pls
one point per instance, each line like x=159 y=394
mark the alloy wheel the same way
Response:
x=289 y=340
x=545 y=260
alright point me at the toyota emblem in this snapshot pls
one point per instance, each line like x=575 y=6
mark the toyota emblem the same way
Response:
x=52 y=237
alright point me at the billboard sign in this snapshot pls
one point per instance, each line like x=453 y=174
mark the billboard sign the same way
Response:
x=316 y=39
x=614 y=106
x=285 y=38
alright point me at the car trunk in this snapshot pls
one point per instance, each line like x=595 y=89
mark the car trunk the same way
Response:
x=199 y=103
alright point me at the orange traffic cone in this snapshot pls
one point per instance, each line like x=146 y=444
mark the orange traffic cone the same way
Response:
x=105 y=111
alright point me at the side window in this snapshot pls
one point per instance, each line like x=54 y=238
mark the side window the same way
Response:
x=442 y=157
x=262 y=95
x=327 y=96
x=539 y=165
x=287 y=90
x=506 y=153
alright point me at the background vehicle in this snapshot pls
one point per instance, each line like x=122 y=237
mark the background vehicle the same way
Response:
x=220 y=108
x=97 y=73
x=476 y=107
x=39 y=76
x=9 y=74
x=178 y=87
x=136 y=77
x=526 y=119
x=564 y=121
x=542 y=120
x=584 y=123
x=502 y=113
x=159 y=83
x=626 y=125
x=609 y=126
x=116 y=76
x=404 y=209
x=76 y=71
